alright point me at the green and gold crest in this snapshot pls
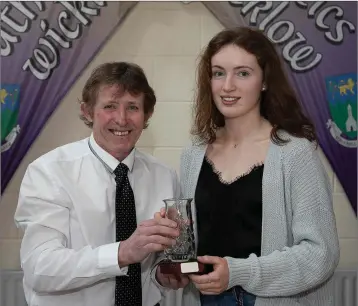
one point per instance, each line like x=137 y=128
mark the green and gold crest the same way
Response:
x=342 y=98
x=9 y=99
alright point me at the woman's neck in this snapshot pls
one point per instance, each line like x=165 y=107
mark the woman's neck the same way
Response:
x=247 y=128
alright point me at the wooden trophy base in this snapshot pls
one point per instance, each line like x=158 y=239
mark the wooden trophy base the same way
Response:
x=188 y=267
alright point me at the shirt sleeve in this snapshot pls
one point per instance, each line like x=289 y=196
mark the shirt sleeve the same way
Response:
x=160 y=257
x=49 y=263
x=108 y=259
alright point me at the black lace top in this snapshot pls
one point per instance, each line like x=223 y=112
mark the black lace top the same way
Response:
x=229 y=214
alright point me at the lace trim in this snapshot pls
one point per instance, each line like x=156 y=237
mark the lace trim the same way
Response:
x=219 y=173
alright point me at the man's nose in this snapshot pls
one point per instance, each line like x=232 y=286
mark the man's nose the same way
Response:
x=121 y=116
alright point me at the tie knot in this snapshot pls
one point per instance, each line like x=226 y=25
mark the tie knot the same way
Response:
x=120 y=172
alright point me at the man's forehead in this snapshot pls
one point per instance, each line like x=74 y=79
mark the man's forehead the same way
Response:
x=117 y=91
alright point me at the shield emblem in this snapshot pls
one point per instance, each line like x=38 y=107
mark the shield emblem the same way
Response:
x=9 y=100
x=342 y=101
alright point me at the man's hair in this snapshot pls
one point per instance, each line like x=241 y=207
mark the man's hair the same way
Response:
x=128 y=77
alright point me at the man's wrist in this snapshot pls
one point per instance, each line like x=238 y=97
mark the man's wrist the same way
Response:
x=123 y=260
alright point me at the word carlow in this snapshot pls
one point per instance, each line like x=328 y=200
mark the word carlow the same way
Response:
x=295 y=50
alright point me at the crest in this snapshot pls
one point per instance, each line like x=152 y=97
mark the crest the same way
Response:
x=9 y=100
x=342 y=98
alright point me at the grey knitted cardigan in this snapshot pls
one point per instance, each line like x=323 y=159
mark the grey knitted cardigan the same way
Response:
x=299 y=247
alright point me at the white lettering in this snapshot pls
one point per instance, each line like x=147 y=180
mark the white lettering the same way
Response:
x=82 y=9
x=300 y=54
x=283 y=32
x=315 y=7
x=66 y=31
x=338 y=27
x=290 y=29
x=8 y=39
x=43 y=60
x=40 y=5
x=301 y=4
x=100 y=3
x=276 y=12
x=23 y=9
x=256 y=10
x=54 y=35
x=12 y=23
x=339 y=30
x=323 y=14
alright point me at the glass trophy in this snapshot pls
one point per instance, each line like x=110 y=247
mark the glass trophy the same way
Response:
x=181 y=258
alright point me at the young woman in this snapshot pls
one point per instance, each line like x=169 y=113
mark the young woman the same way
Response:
x=263 y=200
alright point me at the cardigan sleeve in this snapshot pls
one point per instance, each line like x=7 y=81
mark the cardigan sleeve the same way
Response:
x=315 y=252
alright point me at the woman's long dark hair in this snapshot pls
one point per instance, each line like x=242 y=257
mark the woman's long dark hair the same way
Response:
x=279 y=104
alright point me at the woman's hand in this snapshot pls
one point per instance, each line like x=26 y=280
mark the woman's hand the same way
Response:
x=215 y=282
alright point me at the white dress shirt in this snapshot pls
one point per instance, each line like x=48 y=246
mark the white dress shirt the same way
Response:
x=67 y=211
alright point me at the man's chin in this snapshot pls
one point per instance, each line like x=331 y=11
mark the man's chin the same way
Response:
x=118 y=149
x=123 y=148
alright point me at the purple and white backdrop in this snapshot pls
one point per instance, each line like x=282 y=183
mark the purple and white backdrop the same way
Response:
x=46 y=45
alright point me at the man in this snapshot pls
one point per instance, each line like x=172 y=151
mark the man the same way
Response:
x=86 y=208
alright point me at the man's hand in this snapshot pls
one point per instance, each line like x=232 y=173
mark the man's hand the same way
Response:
x=214 y=282
x=170 y=280
x=160 y=215
x=152 y=235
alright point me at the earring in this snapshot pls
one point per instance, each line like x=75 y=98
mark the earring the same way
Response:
x=263 y=88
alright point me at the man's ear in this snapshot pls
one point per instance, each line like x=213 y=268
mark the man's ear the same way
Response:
x=148 y=116
x=86 y=112
x=146 y=119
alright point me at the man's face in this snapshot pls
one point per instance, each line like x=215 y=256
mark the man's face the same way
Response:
x=118 y=120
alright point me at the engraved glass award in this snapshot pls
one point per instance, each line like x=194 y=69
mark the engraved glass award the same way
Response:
x=181 y=258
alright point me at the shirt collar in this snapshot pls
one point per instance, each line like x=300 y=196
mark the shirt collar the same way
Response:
x=110 y=161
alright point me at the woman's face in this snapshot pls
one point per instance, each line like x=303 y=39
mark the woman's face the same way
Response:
x=237 y=82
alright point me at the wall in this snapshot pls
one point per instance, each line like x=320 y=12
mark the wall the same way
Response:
x=165 y=39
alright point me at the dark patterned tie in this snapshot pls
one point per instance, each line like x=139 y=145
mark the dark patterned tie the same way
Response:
x=128 y=288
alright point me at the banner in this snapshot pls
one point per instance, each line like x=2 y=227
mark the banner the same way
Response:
x=45 y=46
x=318 y=42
